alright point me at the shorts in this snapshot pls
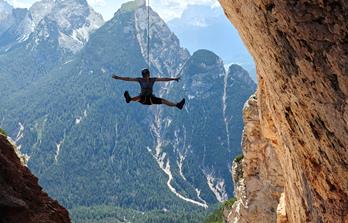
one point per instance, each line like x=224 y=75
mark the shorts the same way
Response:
x=150 y=100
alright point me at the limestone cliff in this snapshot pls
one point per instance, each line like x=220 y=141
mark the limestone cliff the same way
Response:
x=301 y=52
x=258 y=178
x=21 y=198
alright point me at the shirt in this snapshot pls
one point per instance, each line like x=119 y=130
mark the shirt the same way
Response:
x=146 y=87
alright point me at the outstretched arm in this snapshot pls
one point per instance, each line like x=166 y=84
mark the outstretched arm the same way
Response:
x=124 y=78
x=167 y=79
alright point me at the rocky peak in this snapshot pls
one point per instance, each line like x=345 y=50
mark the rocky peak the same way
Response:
x=5 y=6
x=40 y=9
x=205 y=56
x=72 y=2
x=203 y=60
x=6 y=16
x=46 y=30
x=203 y=74
x=5 y=9
x=238 y=73
x=133 y=5
x=166 y=54
x=74 y=18
x=202 y=81
x=70 y=15
x=15 y=27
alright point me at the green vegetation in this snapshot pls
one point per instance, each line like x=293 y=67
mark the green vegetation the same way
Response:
x=229 y=203
x=238 y=158
x=3 y=132
x=106 y=147
x=217 y=215
x=104 y=158
x=106 y=214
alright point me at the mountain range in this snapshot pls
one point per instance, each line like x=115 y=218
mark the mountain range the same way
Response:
x=91 y=150
x=206 y=27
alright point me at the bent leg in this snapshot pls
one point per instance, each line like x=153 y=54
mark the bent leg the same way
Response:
x=130 y=99
x=136 y=99
x=155 y=100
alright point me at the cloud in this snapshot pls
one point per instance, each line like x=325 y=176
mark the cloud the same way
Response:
x=170 y=9
x=97 y=3
x=21 y=3
x=167 y=9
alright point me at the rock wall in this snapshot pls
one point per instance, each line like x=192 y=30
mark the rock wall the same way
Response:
x=21 y=198
x=258 y=178
x=301 y=52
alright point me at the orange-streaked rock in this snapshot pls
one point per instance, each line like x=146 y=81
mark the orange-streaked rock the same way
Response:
x=301 y=52
x=258 y=179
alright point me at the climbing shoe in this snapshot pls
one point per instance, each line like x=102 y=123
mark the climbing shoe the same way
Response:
x=180 y=105
x=127 y=97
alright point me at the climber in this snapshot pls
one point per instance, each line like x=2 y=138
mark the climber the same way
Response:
x=146 y=83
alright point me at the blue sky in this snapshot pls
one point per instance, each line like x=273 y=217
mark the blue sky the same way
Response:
x=168 y=9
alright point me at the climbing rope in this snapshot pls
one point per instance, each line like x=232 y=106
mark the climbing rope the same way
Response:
x=148 y=41
x=148 y=34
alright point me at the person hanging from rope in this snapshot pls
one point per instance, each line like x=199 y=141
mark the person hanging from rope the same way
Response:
x=146 y=96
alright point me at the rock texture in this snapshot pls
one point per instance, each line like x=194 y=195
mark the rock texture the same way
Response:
x=258 y=178
x=21 y=198
x=301 y=52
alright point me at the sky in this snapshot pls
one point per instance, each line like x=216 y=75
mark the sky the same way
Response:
x=167 y=9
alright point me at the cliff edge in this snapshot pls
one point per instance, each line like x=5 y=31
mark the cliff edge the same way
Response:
x=21 y=198
x=301 y=52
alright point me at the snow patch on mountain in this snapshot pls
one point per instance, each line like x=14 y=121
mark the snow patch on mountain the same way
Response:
x=73 y=19
x=81 y=117
x=68 y=42
x=163 y=161
x=164 y=164
x=20 y=133
x=58 y=146
x=76 y=22
x=19 y=136
x=67 y=62
x=224 y=110
x=217 y=186
x=15 y=26
x=180 y=148
x=24 y=158
x=198 y=192
x=92 y=23
x=180 y=164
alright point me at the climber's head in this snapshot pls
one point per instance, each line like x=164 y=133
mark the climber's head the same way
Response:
x=146 y=73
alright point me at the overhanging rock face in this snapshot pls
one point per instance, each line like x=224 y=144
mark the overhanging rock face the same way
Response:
x=21 y=198
x=301 y=52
